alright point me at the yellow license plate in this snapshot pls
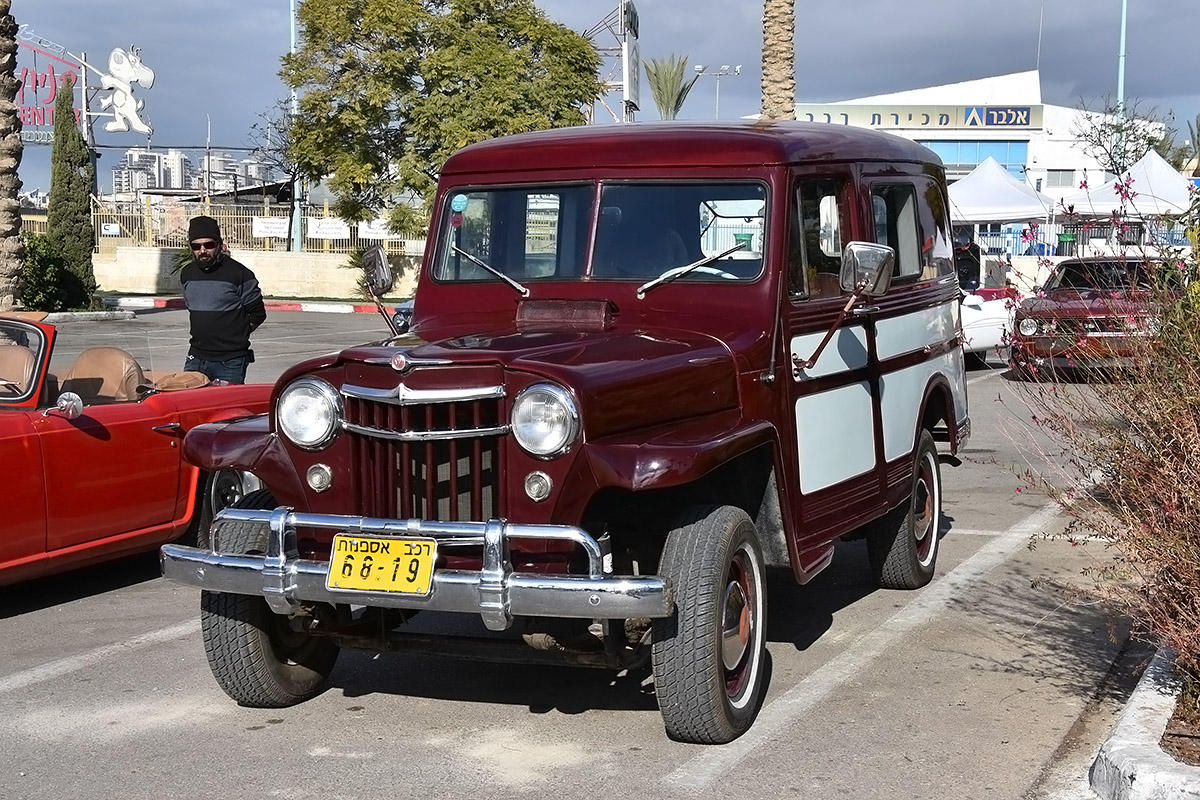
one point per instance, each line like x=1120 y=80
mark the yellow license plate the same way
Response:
x=381 y=564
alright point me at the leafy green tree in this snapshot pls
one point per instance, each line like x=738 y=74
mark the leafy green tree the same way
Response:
x=11 y=245
x=69 y=216
x=667 y=84
x=391 y=89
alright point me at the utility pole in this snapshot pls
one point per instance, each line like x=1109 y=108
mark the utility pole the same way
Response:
x=1121 y=88
x=297 y=231
x=89 y=135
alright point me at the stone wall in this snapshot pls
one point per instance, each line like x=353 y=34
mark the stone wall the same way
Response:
x=148 y=270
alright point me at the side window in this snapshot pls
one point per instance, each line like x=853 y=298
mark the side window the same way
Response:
x=937 y=253
x=895 y=211
x=819 y=227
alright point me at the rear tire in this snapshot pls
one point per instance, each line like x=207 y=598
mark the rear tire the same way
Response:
x=254 y=654
x=709 y=671
x=903 y=545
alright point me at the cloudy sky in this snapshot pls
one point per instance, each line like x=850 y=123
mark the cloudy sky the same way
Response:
x=216 y=61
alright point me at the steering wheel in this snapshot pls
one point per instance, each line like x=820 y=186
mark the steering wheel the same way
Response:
x=710 y=270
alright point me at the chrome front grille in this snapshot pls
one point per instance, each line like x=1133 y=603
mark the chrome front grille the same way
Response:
x=426 y=454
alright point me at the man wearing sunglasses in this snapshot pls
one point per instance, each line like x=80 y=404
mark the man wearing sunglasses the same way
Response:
x=224 y=304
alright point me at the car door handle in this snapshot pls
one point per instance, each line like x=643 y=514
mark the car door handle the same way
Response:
x=171 y=428
x=863 y=311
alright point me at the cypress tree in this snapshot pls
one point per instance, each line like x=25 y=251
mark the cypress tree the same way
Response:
x=69 y=217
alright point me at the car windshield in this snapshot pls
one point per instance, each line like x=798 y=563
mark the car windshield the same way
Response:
x=1101 y=275
x=642 y=230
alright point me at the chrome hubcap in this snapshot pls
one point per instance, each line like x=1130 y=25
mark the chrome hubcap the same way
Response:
x=735 y=626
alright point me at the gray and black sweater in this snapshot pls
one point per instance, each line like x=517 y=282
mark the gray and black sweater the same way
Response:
x=225 y=305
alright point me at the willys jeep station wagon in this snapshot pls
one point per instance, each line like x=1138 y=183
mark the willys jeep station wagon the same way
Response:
x=645 y=363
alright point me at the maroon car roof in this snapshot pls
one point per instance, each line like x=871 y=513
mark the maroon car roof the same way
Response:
x=686 y=144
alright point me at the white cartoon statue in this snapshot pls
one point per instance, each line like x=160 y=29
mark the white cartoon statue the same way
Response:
x=125 y=68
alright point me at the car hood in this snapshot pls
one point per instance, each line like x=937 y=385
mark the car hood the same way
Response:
x=623 y=380
x=1073 y=303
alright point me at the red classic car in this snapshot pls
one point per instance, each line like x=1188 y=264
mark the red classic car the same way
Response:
x=92 y=457
x=1087 y=315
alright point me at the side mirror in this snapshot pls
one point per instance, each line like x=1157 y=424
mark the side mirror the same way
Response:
x=69 y=406
x=869 y=266
x=377 y=272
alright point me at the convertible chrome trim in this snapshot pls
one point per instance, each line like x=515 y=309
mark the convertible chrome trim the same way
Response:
x=496 y=592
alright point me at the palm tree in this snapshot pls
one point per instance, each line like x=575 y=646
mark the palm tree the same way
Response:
x=12 y=247
x=667 y=84
x=1194 y=143
x=779 y=60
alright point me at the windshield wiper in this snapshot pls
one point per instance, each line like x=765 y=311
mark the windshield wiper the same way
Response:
x=524 y=292
x=678 y=272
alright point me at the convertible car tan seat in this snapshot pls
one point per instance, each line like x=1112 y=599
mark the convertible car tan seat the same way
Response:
x=16 y=367
x=104 y=375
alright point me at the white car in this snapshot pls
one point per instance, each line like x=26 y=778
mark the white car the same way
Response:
x=987 y=320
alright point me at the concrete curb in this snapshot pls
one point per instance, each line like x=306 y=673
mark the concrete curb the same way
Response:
x=272 y=305
x=87 y=316
x=1131 y=765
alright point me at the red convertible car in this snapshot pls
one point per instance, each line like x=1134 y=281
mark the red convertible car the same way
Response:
x=92 y=457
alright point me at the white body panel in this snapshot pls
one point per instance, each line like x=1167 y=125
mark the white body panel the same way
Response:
x=834 y=429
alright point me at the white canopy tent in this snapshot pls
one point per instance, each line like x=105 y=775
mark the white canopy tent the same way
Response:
x=1155 y=186
x=990 y=193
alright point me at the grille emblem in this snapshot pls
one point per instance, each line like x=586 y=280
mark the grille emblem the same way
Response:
x=400 y=362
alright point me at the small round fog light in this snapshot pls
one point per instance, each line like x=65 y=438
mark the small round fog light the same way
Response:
x=320 y=477
x=538 y=486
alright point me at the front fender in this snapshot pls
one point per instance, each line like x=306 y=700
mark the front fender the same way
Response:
x=678 y=455
x=249 y=445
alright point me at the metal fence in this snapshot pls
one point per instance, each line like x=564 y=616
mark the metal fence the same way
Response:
x=1066 y=239
x=264 y=227
x=243 y=227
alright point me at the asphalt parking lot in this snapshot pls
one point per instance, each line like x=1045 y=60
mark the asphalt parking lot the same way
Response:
x=993 y=681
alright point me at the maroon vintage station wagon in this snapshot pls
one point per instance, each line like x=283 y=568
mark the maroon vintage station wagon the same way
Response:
x=645 y=363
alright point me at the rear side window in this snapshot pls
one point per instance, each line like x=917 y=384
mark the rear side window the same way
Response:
x=895 y=211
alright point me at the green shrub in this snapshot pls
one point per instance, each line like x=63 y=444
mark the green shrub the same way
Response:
x=43 y=273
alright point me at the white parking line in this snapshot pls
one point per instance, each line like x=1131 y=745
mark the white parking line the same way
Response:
x=63 y=666
x=777 y=716
x=990 y=373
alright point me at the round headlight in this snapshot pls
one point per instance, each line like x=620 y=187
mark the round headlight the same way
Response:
x=545 y=420
x=1028 y=327
x=309 y=413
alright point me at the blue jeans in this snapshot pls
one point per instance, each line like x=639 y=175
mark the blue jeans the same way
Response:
x=232 y=370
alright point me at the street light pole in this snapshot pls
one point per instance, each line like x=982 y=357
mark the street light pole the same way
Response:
x=717 y=75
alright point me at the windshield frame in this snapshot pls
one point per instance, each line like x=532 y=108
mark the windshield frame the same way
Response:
x=581 y=266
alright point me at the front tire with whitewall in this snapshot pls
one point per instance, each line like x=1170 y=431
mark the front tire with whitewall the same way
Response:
x=709 y=656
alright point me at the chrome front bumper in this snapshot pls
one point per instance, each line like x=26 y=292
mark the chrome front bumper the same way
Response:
x=495 y=591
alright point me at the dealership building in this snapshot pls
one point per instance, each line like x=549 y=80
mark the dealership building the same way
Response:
x=964 y=123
